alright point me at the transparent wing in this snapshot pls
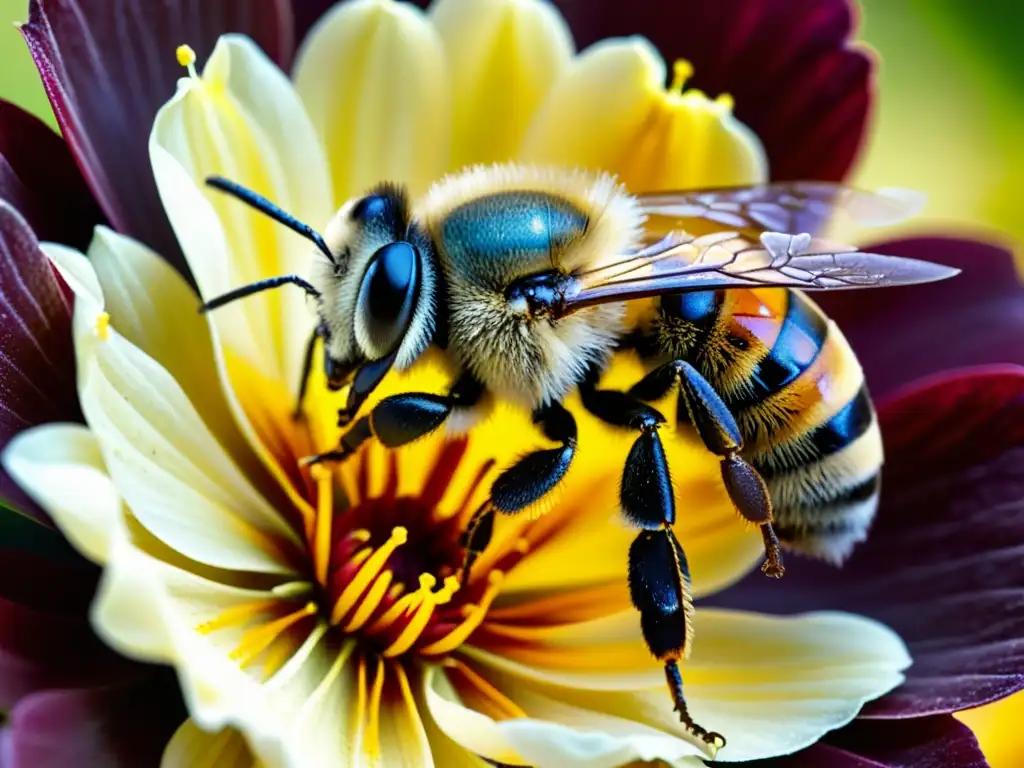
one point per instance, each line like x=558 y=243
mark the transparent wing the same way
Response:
x=803 y=206
x=680 y=263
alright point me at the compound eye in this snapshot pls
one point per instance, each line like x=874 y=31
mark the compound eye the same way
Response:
x=387 y=298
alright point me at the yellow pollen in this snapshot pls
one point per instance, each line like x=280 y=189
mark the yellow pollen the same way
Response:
x=256 y=640
x=682 y=71
x=103 y=326
x=324 y=515
x=367 y=573
x=522 y=546
x=474 y=617
x=369 y=603
x=187 y=58
x=726 y=101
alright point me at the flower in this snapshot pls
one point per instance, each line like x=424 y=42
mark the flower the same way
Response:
x=287 y=610
x=148 y=335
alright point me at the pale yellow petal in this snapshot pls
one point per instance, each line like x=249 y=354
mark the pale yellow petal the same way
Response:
x=192 y=747
x=504 y=56
x=60 y=466
x=770 y=685
x=152 y=306
x=165 y=462
x=243 y=120
x=170 y=469
x=308 y=718
x=372 y=75
x=611 y=111
x=474 y=731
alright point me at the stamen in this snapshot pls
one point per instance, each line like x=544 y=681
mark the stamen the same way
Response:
x=367 y=573
x=187 y=58
x=726 y=101
x=420 y=618
x=103 y=326
x=474 y=617
x=314 y=700
x=372 y=745
x=237 y=614
x=324 y=515
x=369 y=603
x=504 y=708
x=256 y=640
x=682 y=71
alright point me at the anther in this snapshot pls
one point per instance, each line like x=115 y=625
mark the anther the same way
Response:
x=367 y=573
x=682 y=71
x=103 y=326
x=187 y=58
x=473 y=617
x=421 y=617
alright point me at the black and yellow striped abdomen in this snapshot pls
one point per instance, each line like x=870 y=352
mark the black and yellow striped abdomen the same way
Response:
x=798 y=394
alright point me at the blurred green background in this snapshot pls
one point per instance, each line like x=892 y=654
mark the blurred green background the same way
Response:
x=949 y=122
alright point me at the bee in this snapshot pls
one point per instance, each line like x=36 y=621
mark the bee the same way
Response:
x=527 y=277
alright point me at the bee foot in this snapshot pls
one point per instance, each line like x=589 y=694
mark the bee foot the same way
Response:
x=322 y=458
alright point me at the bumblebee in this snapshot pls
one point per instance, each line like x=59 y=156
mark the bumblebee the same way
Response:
x=531 y=278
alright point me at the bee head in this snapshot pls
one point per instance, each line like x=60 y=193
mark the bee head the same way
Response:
x=377 y=294
x=373 y=278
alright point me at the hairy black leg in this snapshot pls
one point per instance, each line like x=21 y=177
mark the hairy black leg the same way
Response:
x=477 y=536
x=367 y=378
x=401 y=419
x=535 y=474
x=721 y=435
x=526 y=481
x=320 y=332
x=659 y=585
x=659 y=577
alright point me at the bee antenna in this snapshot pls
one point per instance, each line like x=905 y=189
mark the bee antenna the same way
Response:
x=263 y=205
x=257 y=287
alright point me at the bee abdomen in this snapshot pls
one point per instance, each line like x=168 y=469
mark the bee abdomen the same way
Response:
x=797 y=391
x=823 y=475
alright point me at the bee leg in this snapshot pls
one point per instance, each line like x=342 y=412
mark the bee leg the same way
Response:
x=721 y=435
x=477 y=536
x=535 y=474
x=401 y=419
x=526 y=481
x=659 y=585
x=659 y=577
x=367 y=378
x=307 y=368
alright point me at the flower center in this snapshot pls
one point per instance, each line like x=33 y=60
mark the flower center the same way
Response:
x=389 y=565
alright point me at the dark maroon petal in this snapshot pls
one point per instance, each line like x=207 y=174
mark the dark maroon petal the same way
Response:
x=944 y=564
x=46 y=640
x=118 y=726
x=38 y=176
x=307 y=12
x=37 y=359
x=901 y=334
x=926 y=742
x=107 y=68
x=788 y=63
